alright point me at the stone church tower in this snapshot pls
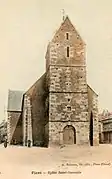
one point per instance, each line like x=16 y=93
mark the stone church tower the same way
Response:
x=59 y=108
x=69 y=118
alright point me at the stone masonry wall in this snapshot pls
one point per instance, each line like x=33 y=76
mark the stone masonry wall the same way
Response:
x=27 y=121
x=93 y=107
x=72 y=109
x=68 y=106
x=56 y=132
x=39 y=114
x=57 y=48
x=67 y=79
x=14 y=126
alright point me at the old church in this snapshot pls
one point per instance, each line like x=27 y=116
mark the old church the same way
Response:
x=60 y=108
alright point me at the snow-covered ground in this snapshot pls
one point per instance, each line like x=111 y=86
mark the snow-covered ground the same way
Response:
x=68 y=162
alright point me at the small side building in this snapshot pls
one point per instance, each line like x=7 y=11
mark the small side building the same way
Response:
x=14 y=113
x=105 y=127
x=3 y=131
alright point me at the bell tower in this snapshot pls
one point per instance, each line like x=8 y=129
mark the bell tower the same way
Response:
x=68 y=98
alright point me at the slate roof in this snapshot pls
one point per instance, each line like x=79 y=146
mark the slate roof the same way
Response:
x=15 y=100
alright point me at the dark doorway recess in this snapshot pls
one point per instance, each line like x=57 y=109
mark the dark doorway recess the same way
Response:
x=91 y=129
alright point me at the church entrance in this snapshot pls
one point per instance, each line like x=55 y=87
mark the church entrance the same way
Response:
x=91 y=129
x=69 y=135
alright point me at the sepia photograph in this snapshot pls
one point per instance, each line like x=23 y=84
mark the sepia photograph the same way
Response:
x=55 y=95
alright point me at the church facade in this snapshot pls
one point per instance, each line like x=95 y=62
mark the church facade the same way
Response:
x=60 y=108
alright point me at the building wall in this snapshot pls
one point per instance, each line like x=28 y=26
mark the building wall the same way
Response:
x=101 y=136
x=14 y=127
x=38 y=95
x=107 y=125
x=56 y=51
x=107 y=130
x=107 y=137
x=3 y=131
x=93 y=107
x=68 y=79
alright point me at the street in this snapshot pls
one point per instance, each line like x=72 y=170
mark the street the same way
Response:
x=68 y=162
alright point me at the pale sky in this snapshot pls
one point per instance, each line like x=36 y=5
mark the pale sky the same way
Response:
x=26 y=27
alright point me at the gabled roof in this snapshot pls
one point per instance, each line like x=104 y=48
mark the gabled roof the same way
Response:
x=30 y=90
x=67 y=25
x=15 y=100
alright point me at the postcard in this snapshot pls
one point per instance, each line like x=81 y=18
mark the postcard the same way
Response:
x=55 y=95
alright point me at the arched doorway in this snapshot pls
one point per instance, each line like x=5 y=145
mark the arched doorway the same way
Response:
x=91 y=129
x=69 y=135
